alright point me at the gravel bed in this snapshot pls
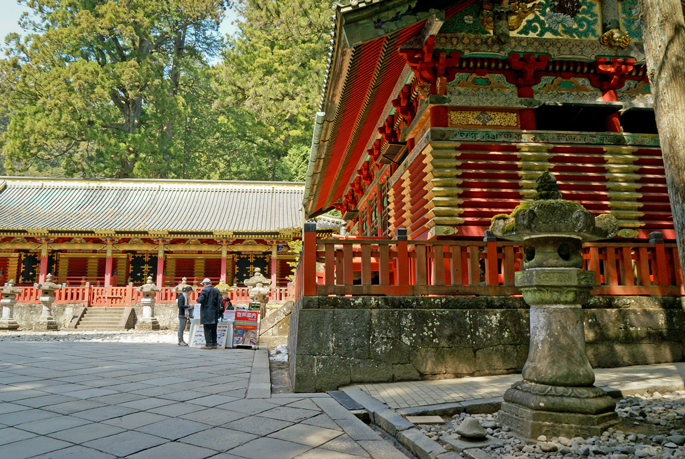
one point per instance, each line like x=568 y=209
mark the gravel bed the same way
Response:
x=651 y=426
x=123 y=336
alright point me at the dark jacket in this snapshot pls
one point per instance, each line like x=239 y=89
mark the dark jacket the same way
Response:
x=210 y=299
x=182 y=305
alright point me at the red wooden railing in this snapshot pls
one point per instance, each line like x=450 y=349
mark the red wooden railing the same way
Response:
x=412 y=268
x=280 y=294
x=126 y=296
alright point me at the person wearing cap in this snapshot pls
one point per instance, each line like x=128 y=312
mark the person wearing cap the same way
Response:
x=183 y=300
x=211 y=308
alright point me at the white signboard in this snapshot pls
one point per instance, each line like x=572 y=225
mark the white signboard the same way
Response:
x=197 y=336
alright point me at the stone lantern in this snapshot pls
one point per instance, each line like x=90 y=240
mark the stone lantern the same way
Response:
x=9 y=299
x=148 y=321
x=179 y=288
x=47 y=297
x=258 y=288
x=557 y=396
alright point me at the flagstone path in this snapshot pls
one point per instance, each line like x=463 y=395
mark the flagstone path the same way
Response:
x=76 y=400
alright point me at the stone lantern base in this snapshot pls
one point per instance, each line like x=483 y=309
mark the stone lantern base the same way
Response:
x=147 y=323
x=8 y=324
x=531 y=410
x=46 y=324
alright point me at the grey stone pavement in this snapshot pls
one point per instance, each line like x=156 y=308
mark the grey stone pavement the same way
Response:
x=627 y=380
x=105 y=400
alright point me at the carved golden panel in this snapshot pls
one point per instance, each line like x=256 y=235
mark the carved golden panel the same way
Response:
x=484 y=118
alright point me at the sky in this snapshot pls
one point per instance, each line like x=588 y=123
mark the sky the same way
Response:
x=10 y=12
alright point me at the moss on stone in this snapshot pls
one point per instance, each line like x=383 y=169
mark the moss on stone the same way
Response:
x=523 y=206
x=509 y=228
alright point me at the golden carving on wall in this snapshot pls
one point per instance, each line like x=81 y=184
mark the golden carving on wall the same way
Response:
x=628 y=232
x=517 y=13
x=573 y=85
x=615 y=39
x=483 y=118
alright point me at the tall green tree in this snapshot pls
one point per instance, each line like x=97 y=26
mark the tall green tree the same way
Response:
x=274 y=67
x=105 y=85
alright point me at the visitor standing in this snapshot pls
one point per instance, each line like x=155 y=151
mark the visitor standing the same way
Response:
x=183 y=300
x=211 y=309
x=228 y=306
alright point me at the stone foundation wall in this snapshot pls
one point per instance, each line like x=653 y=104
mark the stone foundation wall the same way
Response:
x=335 y=341
x=166 y=314
x=27 y=314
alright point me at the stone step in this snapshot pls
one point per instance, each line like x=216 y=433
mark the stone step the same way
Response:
x=103 y=321
x=98 y=312
x=101 y=316
x=98 y=321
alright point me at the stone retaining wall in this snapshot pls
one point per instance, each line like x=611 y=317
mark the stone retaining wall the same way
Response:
x=27 y=314
x=335 y=341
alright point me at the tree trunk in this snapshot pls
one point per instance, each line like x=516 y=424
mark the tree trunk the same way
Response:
x=175 y=74
x=663 y=32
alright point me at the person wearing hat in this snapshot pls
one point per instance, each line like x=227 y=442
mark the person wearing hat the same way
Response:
x=211 y=308
x=183 y=300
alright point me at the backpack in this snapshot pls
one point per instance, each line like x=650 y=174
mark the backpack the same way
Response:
x=219 y=306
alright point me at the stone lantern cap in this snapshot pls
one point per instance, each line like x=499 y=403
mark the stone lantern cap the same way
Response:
x=258 y=278
x=549 y=215
x=149 y=286
x=179 y=288
x=10 y=289
x=48 y=285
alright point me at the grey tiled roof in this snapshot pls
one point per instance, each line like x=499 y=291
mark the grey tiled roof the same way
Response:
x=149 y=205
x=328 y=222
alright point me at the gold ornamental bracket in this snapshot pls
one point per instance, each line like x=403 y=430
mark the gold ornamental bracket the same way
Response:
x=288 y=235
x=141 y=246
x=104 y=233
x=21 y=244
x=87 y=246
x=249 y=246
x=615 y=38
x=193 y=247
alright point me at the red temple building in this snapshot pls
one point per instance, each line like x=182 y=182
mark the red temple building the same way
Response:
x=435 y=117
x=436 y=124
x=105 y=234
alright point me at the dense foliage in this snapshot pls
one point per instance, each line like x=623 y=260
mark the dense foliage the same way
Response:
x=149 y=88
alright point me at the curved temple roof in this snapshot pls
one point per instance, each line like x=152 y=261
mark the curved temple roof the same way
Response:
x=135 y=205
x=364 y=65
